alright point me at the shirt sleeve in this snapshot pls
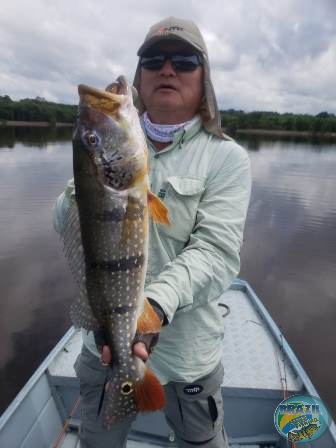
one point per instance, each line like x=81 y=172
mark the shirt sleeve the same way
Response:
x=211 y=259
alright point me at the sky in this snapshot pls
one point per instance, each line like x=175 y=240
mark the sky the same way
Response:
x=274 y=55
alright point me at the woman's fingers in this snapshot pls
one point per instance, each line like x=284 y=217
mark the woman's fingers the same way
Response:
x=139 y=349
x=106 y=356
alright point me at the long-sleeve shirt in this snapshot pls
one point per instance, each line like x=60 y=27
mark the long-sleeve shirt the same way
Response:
x=205 y=182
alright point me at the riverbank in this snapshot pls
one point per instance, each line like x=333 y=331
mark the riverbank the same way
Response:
x=34 y=124
x=274 y=132
x=285 y=133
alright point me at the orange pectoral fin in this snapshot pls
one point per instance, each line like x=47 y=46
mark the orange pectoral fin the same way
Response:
x=148 y=393
x=148 y=321
x=157 y=209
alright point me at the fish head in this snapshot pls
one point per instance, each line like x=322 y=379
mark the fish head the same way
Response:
x=108 y=141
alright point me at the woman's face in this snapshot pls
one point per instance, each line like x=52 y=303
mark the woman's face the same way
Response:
x=171 y=96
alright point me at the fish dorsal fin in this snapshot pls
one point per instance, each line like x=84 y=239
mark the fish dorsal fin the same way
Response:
x=157 y=209
x=80 y=312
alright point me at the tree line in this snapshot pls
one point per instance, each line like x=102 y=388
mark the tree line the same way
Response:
x=37 y=109
x=323 y=122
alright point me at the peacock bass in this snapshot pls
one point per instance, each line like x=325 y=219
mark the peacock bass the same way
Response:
x=106 y=240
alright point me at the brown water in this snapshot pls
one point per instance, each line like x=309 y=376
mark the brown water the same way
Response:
x=289 y=254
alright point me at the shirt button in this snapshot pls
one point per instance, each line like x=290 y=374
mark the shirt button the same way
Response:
x=156 y=156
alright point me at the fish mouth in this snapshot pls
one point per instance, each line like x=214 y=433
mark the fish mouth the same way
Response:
x=107 y=101
x=119 y=86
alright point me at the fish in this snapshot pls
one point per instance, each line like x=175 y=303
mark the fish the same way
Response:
x=105 y=238
x=304 y=433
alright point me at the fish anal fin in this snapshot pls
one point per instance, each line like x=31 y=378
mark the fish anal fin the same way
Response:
x=157 y=209
x=148 y=393
x=148 y=321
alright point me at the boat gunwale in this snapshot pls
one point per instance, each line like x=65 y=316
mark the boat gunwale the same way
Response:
x=23 y=393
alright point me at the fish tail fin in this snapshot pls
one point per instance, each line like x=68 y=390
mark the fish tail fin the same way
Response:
x=148 y=393
x=157 y=209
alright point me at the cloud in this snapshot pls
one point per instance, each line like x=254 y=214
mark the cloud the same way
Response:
x=272 y=56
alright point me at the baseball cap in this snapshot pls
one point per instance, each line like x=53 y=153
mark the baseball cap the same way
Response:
x=173 y=28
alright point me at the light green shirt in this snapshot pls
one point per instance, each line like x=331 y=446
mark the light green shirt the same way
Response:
x=205 y=183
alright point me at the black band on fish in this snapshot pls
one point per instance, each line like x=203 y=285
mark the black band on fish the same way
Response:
x=116 y=215
x=119 y=265
x=122 y=309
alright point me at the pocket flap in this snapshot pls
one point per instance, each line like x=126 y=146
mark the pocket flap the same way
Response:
x=186 y=186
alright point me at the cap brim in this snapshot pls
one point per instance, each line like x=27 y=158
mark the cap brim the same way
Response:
x=165 y=38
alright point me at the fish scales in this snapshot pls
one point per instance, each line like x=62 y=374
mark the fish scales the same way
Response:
x=111 y=214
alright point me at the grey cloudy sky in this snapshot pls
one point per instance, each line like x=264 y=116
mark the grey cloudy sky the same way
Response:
x=265 y=54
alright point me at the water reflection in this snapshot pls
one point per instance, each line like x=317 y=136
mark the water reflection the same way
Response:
x=288 y=255
x=33 y=136
x=256 y=141
x=290 y=246
x=35 y=283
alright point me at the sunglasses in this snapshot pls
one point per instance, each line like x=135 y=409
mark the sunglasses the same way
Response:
x=180 y=62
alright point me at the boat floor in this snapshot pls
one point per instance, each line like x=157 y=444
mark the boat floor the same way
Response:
x=72 y=441
x=252 y=359
x=259 y=367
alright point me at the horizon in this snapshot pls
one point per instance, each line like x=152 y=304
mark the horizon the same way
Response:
x=233 y=110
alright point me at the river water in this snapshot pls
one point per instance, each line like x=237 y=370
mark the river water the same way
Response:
x=289 y=253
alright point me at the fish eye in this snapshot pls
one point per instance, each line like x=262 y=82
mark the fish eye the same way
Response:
x=92 y=139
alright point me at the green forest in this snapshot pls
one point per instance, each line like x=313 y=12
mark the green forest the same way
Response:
x=323 y=122
x=39 y=109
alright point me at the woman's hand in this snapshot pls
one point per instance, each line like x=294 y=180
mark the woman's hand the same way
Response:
x=139 y=349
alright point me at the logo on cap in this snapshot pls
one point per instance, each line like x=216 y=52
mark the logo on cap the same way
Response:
x=168 y=29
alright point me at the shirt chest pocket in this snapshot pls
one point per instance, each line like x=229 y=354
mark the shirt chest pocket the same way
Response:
x=182 y=198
